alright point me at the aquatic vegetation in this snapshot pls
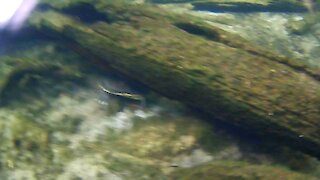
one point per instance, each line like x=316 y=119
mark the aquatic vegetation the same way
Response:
x=236 y=170
x=23 y=140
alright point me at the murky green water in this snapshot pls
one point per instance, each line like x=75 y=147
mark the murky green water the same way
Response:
x=57 y=122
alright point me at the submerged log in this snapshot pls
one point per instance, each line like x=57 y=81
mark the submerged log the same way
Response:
x=202 y=66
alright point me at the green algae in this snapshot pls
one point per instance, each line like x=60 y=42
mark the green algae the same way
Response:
x=237 y=170
x=26 y=141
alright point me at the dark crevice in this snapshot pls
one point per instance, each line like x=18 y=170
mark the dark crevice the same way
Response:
x=199 y=31
x=285 y=6
x=43 y=7
x=87 y=13
x=249 y=7
x=84 y=12
x=9 y=39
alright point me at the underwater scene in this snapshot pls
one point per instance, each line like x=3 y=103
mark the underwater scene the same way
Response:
x=160 y=89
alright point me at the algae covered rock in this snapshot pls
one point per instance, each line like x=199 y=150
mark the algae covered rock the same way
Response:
x=22 y=140
x=236 y=170
x=204 y=67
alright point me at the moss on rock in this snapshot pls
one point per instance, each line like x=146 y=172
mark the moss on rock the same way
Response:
x=237 y=170
x=22 y=140
x=235 y=83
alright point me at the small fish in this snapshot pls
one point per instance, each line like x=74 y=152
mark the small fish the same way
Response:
x=135 y=97
x=174 y=165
